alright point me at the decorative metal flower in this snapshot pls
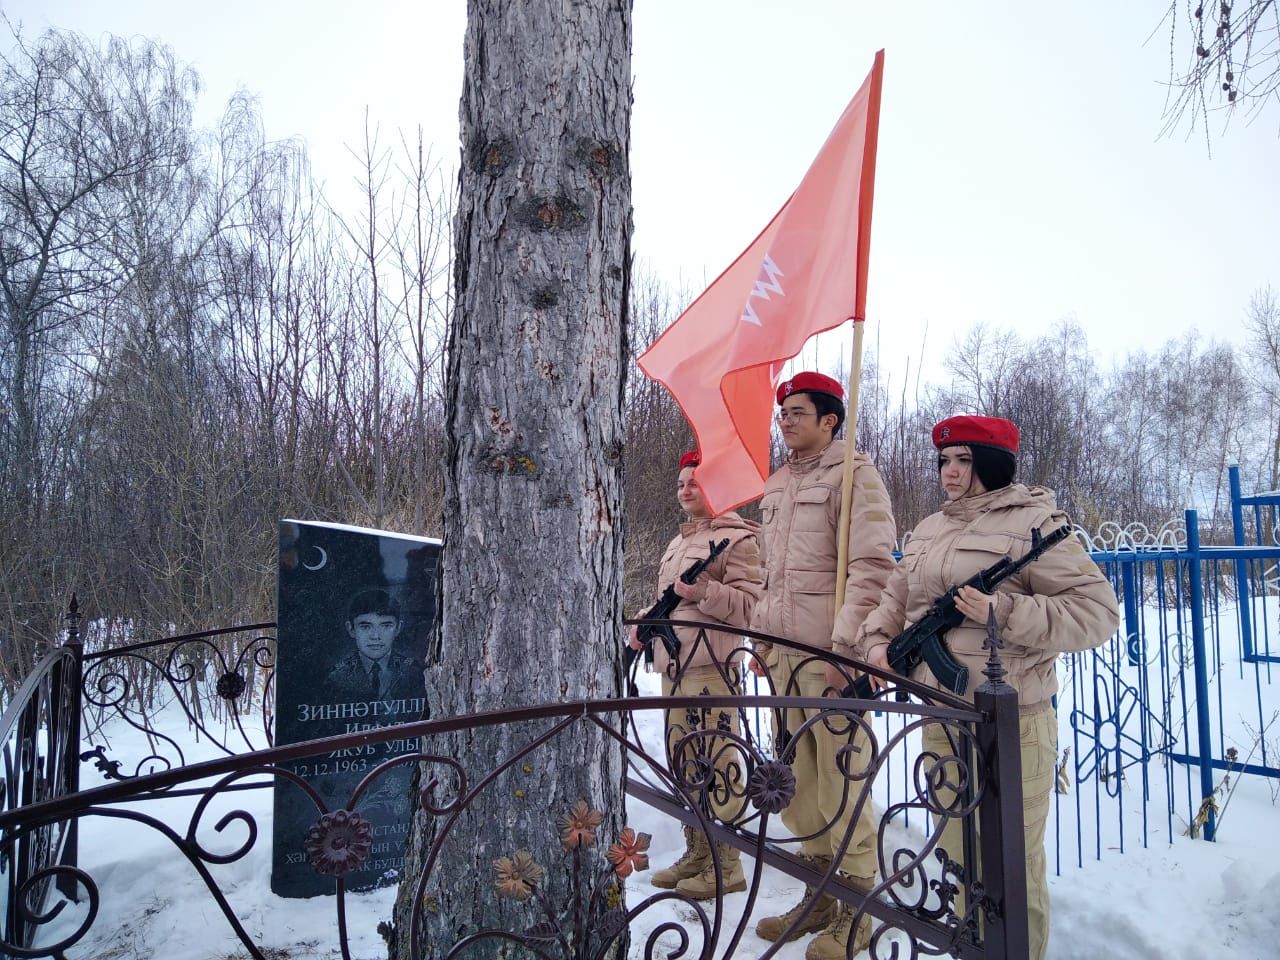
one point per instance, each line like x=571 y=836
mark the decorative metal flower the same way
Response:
x=628 y=853
x=772 y=786
x=516 y=876
x=230 y=686
x=580 y=826
x=339 y=842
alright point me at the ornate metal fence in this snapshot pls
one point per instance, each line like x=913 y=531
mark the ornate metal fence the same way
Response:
x=728 y=780
x=38 y=743
x=1155 y=726
x=218 y=685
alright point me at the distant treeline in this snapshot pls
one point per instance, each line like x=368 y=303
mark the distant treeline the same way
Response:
x=1137 y=442
x=195 y=343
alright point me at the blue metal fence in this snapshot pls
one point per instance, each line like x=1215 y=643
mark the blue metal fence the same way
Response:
x=1156 y=719
x=1151 y=722
x=1263 y=506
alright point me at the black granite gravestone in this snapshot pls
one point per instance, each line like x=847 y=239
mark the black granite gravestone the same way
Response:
x=355 y=610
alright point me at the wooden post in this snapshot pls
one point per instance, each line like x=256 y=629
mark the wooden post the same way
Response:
x=846 y=482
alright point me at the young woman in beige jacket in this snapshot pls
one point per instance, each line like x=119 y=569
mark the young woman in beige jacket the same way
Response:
x=1059 y=604
x=725 y=594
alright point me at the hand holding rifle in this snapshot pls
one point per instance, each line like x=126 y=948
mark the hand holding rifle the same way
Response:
x=642 y=637
x=975 y=604
x=695 y=590
x=923 y=640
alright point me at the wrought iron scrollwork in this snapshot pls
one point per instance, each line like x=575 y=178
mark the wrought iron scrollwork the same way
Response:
x=217 y=678
x=716 y=769
x=40 y=763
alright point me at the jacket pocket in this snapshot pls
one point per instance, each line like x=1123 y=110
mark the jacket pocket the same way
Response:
x=768 y=528
x=666 y=570
x=812 y=512
x=911 y=559
x=697 y=551
x=769 y=507
x=811 y=581
x=810 y=610
x=818 y=493
x=975 y=552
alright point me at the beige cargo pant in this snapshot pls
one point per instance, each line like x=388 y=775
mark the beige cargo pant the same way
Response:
x=1039 y=740
x=820 y=786
x=726 y=792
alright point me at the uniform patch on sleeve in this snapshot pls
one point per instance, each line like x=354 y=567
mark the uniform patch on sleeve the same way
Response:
x=873 y=496
x=875 y=516
x=1087 y=567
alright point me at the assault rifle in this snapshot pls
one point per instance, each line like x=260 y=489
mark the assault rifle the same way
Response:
x=922 y=641
x=662 y=610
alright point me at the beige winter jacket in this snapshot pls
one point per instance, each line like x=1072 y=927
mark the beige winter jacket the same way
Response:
x=800 y=508
x=1060 y=603
x=734 y=583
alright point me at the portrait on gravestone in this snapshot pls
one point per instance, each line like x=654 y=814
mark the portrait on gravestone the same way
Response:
x=356 y=607
x=372 y=669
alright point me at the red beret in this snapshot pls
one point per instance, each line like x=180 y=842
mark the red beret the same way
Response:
x=808 y=381
x=984 y=431
x=690 y=458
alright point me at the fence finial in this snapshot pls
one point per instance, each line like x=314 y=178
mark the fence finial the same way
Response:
x=73 y=623
x=994 y=670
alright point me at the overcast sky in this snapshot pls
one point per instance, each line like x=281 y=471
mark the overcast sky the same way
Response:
x=1022 y=177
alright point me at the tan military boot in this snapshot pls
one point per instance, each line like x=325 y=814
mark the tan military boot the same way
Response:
x=833 y=942
x=696 y=856
x=823 y=912
x=703 y=886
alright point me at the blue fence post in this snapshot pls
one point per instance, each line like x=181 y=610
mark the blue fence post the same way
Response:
x=1195 y=592
x=1132 y=626
x=1242 y=566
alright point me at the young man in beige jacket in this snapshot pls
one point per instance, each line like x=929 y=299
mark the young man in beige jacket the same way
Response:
x=800 y=510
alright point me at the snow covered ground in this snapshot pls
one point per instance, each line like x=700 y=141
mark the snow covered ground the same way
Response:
x=1178 y=898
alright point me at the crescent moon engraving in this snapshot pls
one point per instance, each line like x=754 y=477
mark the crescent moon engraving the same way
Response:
x=324 y=558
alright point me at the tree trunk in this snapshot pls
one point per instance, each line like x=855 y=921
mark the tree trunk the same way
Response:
x=532 y=561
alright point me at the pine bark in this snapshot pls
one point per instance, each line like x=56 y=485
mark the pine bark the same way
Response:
x=532 y=562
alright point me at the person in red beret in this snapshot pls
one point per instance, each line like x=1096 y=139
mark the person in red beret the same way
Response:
x=1061 y=603
x=800 y=510
x=725 y=594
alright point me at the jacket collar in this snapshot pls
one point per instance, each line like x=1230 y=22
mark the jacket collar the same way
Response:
x=832 y=453
x=1016 y=494
x=690 y=527
x=729 y=520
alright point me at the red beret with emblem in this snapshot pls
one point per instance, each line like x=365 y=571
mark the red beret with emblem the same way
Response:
x=690 y=458
x=810 y=382
x=976 y=431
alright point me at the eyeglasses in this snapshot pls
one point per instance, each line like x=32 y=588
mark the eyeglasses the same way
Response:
x=792 y=416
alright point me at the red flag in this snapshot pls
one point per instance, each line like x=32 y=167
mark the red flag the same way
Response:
x=805 y=273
